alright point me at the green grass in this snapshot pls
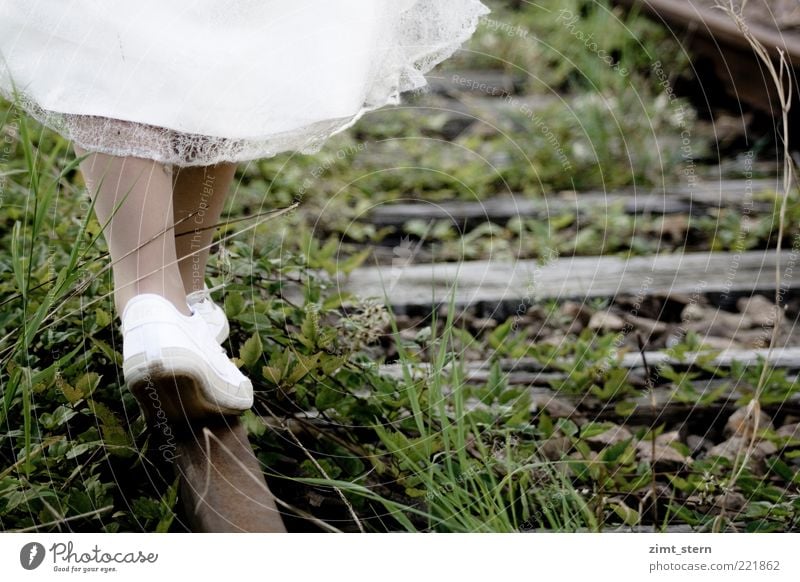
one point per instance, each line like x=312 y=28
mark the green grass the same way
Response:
x=435 y=452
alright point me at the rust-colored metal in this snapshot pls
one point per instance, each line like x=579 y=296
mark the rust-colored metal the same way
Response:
x=222 y=485
x=701 y=17
x=709 y=33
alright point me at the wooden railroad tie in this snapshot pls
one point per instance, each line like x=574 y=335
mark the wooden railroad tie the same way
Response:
x=660 y=405
x=528 y=281
x=670 y=200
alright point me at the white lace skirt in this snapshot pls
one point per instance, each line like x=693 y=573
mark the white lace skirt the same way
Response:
x=195 y=82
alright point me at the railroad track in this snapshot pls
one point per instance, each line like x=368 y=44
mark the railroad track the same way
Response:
x=223 y=488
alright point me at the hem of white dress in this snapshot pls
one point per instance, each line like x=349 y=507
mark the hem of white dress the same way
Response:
x=65 y=123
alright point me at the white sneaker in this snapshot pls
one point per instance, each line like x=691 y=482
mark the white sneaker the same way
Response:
x=202 y=303
x=174 y=366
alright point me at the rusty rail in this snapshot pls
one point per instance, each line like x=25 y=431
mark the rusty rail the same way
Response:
x=716 y=24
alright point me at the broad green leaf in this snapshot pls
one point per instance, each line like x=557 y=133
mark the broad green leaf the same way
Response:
x=251 y=351
x=102 y=317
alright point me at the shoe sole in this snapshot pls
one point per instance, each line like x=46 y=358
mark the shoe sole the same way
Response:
x=175 y=387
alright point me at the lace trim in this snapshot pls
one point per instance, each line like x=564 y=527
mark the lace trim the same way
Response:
x=428 y=32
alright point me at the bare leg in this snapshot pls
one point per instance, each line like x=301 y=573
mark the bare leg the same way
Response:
x=201 y=190
x=140 y=236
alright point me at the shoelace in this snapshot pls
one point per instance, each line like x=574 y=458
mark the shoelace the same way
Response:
x=216 y=287
x=203 y=294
